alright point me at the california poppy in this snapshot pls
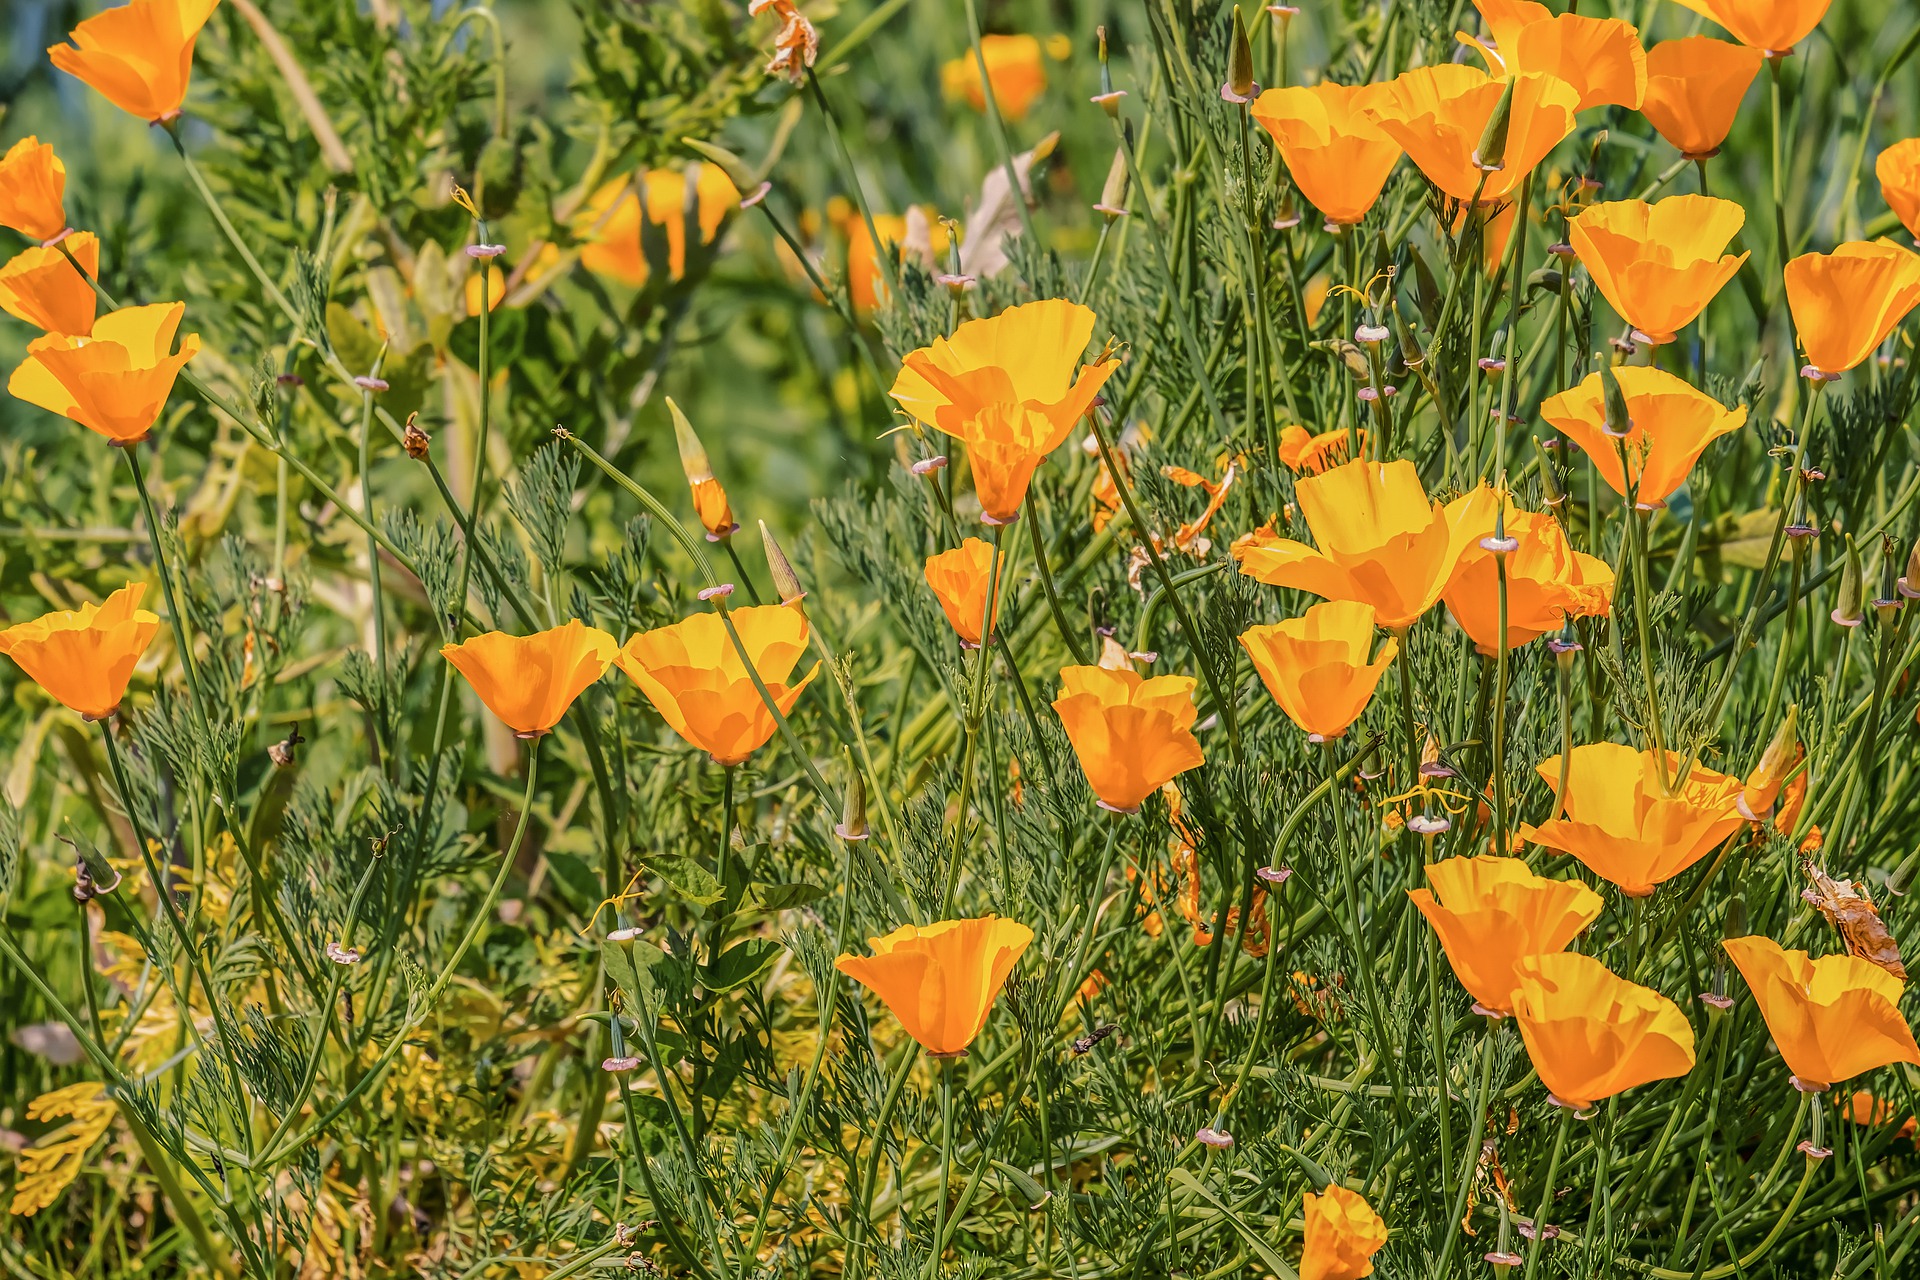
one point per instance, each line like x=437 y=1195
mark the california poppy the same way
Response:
x=917 y=234
x=1132 y=733
x=1670 y=426
x=1845 y=303
x=795 y=45
x=115 y=382
x=1547 y=582
x=940 y=980
x=84 y=657
x=1592 y=1034
x=1898 y=169
x=1622 y=824
x=530 y=681
x=618 y=236
x=1302 y=450
x=1600 y=57
x=1380 y=540
x=1015 y=68
x=1316 y=665
x=710 y=503
x=1342 y=1234
x=959 y=581
x=33 y=186
x=1772 y=26
x=138 y=55
x=41 y=287
x=1491 y=913
x=694 y=678
x=1439 y=113
x=1694 y=88
x=1831 y=1018
x=1658 y=265
x=1338 y=156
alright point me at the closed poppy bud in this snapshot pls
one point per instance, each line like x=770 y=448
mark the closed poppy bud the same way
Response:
x=41 y=287
x=1898 y=169
x=1239 y=86
x=1491 y=154
x=1592 y=1034
x=1778 y=760
x=1669 y=425
x=1831 y=1018
x=1771 y=26
x=84 y=658
x=1132 y=734
x=1547 y=583
x=1015 y=68
x=1446 y=118
x=1849 y=609
x=530 y=681
x=786 y=583
x=115 y=382
x=1338 y=156
x=1658 y=265
x=1490 y=913
x=1846 y=302
x=940 y=980
x=1342 y=1235
x=33 y=186
x=853 y=807
x=1316 y=666
x=138 y=55
x=693 y=676
x=709 y=499
x=1113 y=192
x=1694 y=88
x=959 y=581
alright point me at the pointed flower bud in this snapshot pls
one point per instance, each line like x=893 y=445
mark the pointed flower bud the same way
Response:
x=853 y=809
x=1909 y=584
x=1850 y=611
x=1239 y=87
x=785 y=580
x=733 y=166
x=709 y=499
x=1491 y=155
x=1113 y=195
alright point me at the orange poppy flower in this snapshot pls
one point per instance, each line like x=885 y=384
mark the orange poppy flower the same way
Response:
x=1342 y=1235
x=1694 y=88
x=694 y=678
x=1870 y=1112
x=33 y=188
x=1831 y=1018
x=959 y=581
x=1671 y=425
x=918 y=235
x=1772 y=26
x=1622 y=824
x=940 y=980
x=709 y=498
x=530 y=681
x=41 y=287
x=1337 y=155
x=139 y=55
x=1490 y=913
x=1845 y=303
x=84 y=657
x=1547 y=582
x=115 y=382
x=1380 y=540
x=1438 y=114
x=1302 y=450
x=1133 y=734
x=1898 y=169
x=1780 y=758
x=1658 y=264
x=1007 y=387
x=1316 y=667
x=1592 y=1034
x=617 y=238
x=1015 y=68
x=1600 y=57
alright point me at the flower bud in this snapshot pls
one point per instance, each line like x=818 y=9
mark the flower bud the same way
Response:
x=730 y=164
x=785 y=581
x=1619 y=421
x=1491 y=154
x=1239 y=87
x=1113 y=194
x=709 y=498
x=1850 y=611
x=1909 y=584
x=853 y=808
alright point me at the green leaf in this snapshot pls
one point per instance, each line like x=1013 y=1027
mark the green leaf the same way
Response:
x=1274 y=1263
x=575 y=878
x=631 y=965
x=691 y=881
x=784 y=897
x=740 y=965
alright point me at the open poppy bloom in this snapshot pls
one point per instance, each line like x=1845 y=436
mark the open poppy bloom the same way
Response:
x=1671 y=425
x=1547 y=582
x=694 y=678
x=1622 y=824
x=1015 y=68
x=1439 y=113
x=918 y=234
x=1006 y=386
x=959 y=581
x=41 y=287
x=1380 y=540
x=530 y=681
x=116 y=381
x=1342 y=1234
x=1658 y=264
x=1316 y=666
x=1898 y=169
x=1771 y=26
x=1592 y=1034
x=1491 y=913
x=621 y=237
x=1832 y=1018
x=33 y=189
x=1845 y=303
x=1302 y=450
x=139 y=55
x=940 y=980
x=1694 y=88
x=84 y=657
x=1132 y=734
x=1337 y=155
x=1600 y=57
